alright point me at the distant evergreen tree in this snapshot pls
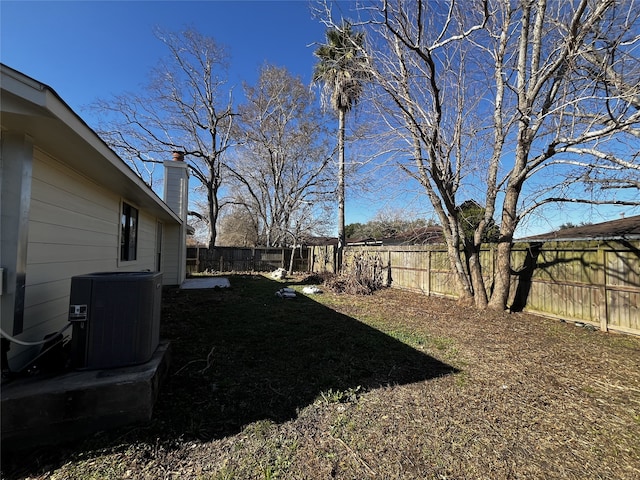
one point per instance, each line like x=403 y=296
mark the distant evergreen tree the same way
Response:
x=471 y=213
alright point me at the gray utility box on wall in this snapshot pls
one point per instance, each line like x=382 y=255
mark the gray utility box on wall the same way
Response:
x=116 y=318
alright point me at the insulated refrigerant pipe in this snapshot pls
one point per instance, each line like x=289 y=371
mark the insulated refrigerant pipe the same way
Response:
x=31 y=344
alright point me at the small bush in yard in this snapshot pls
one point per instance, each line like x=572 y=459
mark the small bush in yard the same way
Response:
x=365 y=274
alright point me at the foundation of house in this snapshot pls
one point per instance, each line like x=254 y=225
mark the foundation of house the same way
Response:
x=47 y=411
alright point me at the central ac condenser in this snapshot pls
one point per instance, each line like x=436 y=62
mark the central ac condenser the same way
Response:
x=116 y=318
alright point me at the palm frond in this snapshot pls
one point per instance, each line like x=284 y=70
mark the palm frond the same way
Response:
x=342 y=67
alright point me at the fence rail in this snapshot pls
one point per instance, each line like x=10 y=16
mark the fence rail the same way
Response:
x=591 y=282
x=234 y=259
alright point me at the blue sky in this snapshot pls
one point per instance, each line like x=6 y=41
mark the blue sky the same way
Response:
x=89 y=50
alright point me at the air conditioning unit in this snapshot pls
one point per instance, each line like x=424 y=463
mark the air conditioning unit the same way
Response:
x=116 y=318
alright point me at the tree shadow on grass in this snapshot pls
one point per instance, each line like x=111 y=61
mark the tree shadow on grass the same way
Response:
x=257 y=356
x=242 y=355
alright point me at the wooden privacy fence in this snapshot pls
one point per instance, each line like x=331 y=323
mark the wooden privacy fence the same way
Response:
x=593 y=282
x=234 y=259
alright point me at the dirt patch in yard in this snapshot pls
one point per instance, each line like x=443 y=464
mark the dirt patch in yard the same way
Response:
x=390 y=385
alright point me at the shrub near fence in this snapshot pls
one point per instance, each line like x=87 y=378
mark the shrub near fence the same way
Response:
x=592 y=282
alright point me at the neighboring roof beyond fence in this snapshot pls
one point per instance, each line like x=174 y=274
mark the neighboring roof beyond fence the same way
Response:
x=622 y=229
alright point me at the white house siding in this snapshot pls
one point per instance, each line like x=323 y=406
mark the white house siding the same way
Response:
x=146 y=258
x=176 y=186
x=172 y=264
x=73 y=230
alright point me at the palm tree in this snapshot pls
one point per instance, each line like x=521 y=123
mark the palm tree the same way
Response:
x=342 y=68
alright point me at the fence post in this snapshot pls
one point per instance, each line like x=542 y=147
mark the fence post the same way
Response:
x=602 y=290
x=428 y=285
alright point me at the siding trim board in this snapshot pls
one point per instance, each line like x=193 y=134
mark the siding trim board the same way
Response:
x=15 y=206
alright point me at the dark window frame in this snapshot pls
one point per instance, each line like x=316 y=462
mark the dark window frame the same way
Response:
x=128 y=233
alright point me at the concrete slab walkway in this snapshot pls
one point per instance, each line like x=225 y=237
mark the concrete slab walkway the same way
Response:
x=205 y=282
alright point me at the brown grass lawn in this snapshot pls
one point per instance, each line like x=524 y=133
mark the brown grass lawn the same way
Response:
x=391 y=385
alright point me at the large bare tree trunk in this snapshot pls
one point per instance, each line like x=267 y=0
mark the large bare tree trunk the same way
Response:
x=214 y=212
x=541 y=96
x=475 y=272
x=465 y=294
x=502 y=275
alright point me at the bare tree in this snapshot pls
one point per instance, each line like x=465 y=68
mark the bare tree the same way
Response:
x=281 y=167
x=186 y=107
x=421 y=72
x=568 y=113
x=514 y=105
x=238 y=228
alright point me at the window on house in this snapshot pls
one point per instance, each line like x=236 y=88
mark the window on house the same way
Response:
x=129 y=233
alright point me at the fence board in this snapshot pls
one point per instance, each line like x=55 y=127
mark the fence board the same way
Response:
x=595 y=282
x=237 y=259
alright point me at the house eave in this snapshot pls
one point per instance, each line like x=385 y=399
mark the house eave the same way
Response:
x=36 y=109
